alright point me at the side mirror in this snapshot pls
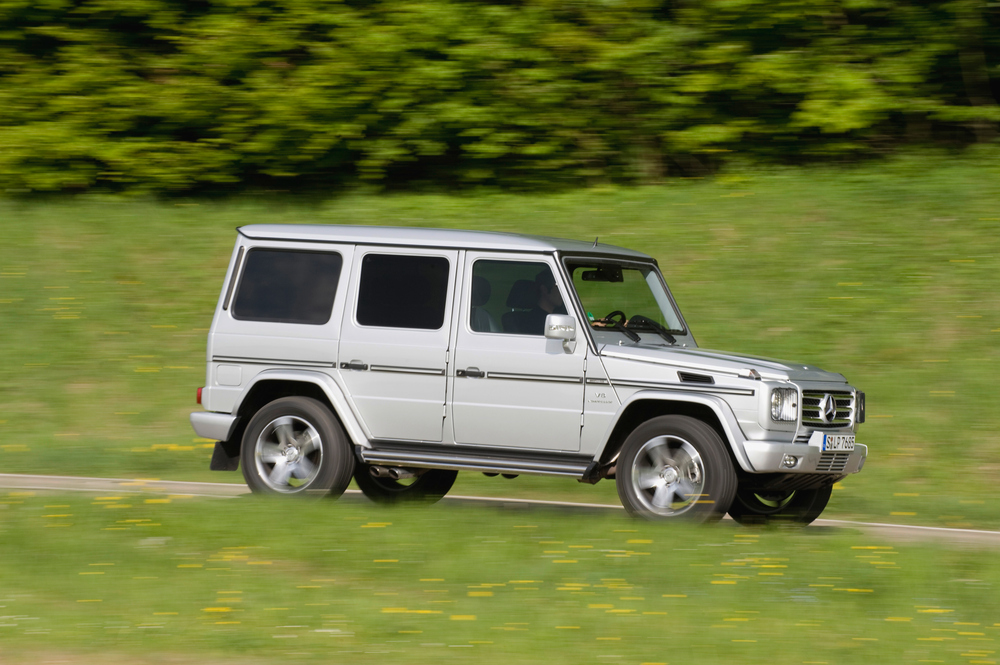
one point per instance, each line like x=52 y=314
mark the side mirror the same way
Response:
x=562 y=326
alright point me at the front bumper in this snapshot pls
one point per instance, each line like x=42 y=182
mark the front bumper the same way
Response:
x=767 y=456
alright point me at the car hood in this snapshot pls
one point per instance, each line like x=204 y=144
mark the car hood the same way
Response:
x=707 y=360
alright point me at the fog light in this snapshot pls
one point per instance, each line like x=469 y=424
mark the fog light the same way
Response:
x=789 y=461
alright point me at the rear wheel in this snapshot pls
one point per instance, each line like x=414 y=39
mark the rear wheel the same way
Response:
x=675 y=467
x=295 y=446
x=429 y=486
x=789 y=507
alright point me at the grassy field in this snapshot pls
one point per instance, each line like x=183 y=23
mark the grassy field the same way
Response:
x=888 y=275
x=108 y=579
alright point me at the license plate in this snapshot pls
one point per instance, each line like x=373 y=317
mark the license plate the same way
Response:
x=838 y=442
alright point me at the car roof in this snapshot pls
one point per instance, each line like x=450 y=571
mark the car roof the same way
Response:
x=428 y=237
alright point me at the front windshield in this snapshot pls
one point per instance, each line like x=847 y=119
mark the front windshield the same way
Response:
x=625 y=299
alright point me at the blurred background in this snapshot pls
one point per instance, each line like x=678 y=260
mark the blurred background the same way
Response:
x=819 y=181
x=220 y=95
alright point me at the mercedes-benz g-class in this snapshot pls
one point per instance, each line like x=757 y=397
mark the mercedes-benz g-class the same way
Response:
x=400 y=356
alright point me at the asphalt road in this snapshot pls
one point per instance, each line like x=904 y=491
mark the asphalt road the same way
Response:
x=56 y=484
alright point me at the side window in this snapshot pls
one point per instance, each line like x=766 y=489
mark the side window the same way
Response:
x=288 y=286
x=513 y=297
x=399 y=291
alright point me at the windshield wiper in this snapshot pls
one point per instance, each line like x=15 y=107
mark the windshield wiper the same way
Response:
x=655 y=326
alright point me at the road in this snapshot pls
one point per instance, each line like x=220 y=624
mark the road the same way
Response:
x=896 y=532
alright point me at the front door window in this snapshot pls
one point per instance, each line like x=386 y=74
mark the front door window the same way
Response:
x=513 y=297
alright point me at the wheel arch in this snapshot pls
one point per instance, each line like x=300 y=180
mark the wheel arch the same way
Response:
x=648 y=404
x=270 y=385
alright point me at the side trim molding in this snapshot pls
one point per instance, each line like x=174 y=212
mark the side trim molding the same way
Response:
x=534 y=377
x=406 y=370
x=271 y=361
x=682 y=387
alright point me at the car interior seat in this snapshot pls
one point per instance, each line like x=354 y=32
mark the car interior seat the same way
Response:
x=479 y=318
x=523 y=297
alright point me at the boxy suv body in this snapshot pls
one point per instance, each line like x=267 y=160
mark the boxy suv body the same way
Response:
x=400 y=356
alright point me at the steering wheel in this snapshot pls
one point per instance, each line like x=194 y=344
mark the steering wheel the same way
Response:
x=618 y=324
x=611 y=317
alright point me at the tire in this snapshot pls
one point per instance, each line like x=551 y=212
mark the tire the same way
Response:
x=428 y=487
x=295 y=446
x=675 y=467
x=800 y=507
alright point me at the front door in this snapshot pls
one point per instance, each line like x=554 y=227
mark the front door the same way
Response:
x=514 y=388
x=394 y=341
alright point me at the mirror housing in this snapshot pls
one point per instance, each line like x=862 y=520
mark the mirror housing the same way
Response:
x=562 y=326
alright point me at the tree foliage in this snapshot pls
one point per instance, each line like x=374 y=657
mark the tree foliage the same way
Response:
x=176 y=95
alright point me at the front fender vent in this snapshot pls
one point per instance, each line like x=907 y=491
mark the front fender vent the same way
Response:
x=688 y=377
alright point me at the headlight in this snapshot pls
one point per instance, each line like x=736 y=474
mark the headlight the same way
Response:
x=784 y=404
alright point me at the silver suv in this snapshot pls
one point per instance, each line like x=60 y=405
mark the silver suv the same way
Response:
x=401 y=356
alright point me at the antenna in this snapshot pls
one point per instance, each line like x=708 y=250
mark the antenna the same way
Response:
x=595 y=242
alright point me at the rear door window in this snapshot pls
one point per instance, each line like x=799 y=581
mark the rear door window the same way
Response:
x=402 y=291
x=288 y=286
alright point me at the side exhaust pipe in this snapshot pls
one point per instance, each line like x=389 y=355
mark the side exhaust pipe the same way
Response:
x=394 y=472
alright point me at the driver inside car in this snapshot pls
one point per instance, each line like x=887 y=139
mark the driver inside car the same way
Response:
x=549 y=302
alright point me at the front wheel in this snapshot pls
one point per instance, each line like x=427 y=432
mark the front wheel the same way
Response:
x=428 y=487
x=675 y=467
x=295 y=446
x=799 y=507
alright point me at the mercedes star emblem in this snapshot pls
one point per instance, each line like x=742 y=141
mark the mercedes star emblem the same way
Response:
x=828 y=408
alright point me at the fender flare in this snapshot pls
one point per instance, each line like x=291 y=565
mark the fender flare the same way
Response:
x=727 y=419
x=324 y=382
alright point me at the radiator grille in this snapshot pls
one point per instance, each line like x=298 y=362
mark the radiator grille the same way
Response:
x=811 y=406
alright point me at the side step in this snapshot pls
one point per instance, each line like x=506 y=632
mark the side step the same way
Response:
x=475 y=459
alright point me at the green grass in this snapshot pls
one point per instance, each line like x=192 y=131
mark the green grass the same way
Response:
x=886 y=274
x=115 y=579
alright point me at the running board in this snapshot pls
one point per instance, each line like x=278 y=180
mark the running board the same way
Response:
x=473 y=460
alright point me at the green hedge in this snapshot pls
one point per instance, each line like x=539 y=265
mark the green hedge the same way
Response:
x=167 y=95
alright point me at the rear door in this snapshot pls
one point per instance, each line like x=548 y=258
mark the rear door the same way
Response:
x=394 y=341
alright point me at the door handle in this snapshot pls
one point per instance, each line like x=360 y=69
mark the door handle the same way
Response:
x=471 y=372
x=354 y=364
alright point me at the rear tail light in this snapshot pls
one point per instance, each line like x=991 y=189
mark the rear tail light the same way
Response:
x=199 y=395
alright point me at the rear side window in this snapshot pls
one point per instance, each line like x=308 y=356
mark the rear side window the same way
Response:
x=288 y=286
x=399 y=291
